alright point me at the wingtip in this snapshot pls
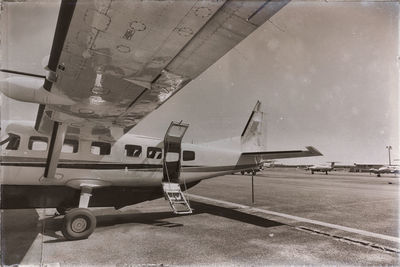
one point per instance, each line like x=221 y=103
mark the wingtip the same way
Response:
x=314 y=151
x=257 y=107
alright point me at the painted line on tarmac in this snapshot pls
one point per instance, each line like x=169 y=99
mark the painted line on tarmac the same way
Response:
x=300 y=219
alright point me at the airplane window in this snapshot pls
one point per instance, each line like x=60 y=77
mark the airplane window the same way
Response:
x=133 y=151
x=154 y=153
x=12 y=141
x=95 y=150
x=188 y=155
x=38 y=143
x=70 y=146
x=100 y=148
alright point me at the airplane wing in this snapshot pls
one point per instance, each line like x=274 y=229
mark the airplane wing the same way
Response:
x=120 y=60
x=310 y=152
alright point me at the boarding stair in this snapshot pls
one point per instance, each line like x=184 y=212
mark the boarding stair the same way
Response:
x=176 y=198
x=172 y=168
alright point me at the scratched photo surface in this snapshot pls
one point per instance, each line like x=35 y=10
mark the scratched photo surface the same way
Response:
x=325 y=72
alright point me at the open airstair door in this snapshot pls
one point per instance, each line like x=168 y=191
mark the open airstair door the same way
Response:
x=172 y=168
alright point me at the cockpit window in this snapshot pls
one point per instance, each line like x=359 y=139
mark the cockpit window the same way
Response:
x=12 y=142
x=37 y=143
x=154 y=153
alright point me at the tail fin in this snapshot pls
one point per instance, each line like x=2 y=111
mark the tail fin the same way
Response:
x=333 y=163
x=252 y=135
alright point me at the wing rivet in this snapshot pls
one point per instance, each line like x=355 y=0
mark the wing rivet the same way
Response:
x=203 y=12
x=123 y=48
x=185 y=31
x=86 y=111
x=137 y=26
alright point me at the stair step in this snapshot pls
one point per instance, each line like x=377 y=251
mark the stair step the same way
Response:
x=176 y=198
x=178 y=202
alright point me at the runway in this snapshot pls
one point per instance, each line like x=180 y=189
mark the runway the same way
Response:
x=297 y=218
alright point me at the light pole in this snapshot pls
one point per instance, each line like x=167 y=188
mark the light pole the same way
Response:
x=389 y=148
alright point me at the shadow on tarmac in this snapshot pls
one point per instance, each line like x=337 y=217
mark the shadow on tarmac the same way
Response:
x=21 y=227
x=52 y=225
x=232 y=214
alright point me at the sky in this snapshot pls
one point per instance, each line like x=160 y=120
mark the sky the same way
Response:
x=327 y=74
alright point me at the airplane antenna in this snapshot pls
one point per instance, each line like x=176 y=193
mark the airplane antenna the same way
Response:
x=252 y=187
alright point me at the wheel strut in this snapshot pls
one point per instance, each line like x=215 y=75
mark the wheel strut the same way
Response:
x=79 y=223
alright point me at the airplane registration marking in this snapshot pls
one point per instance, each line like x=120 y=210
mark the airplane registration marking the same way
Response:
x=300 y=219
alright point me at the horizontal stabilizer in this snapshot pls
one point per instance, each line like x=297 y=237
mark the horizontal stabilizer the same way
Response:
x=265 y=155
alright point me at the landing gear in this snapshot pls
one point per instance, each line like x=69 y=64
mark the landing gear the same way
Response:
x=79 y=223
x=326 y=172
x=242 y=172
x=62 y=210
x=312 y=172
x=253 y=173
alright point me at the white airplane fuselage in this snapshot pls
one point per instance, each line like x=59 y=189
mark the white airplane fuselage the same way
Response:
x=115 y=173
x=389 y=169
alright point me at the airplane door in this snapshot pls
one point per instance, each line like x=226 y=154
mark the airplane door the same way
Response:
x=172 y=151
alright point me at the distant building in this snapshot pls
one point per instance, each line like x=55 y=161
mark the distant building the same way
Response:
x=364 y=167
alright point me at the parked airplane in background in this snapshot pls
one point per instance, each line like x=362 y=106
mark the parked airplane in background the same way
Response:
x=394 y=169
x=111 y=64
x=321 y=168
x=260 y=167
x=254 y=170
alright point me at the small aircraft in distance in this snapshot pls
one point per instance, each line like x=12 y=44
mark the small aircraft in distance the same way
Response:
x=395 y=169
x=321 y=168
x=254 y=170
x=263 y=164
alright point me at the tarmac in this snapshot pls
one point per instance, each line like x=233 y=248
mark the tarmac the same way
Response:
x=296 y=219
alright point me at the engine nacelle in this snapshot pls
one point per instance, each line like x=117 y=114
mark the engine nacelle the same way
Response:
x=29 y=89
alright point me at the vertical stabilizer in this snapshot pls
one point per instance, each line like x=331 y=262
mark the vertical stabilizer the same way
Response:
x=252 y=135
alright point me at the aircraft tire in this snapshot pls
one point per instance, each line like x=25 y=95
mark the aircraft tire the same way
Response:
x=242 y=172
x=254 y=173
x=312 y=172
x=79 y=223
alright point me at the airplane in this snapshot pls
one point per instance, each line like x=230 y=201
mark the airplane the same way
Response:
x=321 y=168
x=394 y=169
x=253 y=171
x=269 y=163
x=260 y=167
x=111 y=64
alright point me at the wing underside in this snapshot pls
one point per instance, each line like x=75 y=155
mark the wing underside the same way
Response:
x=120 y=60
x=262 y=156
